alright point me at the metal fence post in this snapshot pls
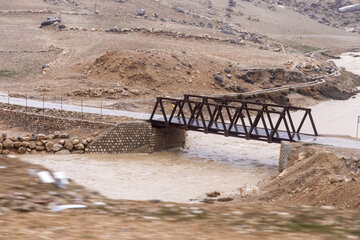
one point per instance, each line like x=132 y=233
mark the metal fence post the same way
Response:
x=61 y=107
x=43 y=104
x=8 y=98
x=82 y=113
x=26 y=102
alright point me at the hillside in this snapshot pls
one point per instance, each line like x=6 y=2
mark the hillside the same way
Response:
x=135 y=50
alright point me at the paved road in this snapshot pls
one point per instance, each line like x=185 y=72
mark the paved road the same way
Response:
x=137 y=115
x=75 y=108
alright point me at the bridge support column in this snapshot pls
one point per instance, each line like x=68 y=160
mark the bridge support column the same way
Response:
x=285 y=151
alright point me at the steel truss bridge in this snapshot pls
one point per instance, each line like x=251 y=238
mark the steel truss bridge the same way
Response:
x=235 y=118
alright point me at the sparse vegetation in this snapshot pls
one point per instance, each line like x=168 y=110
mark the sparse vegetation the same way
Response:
x=6 y=73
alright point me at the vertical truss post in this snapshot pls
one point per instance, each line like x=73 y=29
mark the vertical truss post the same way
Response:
x=154 y=110
x=163 y=112
x=313 y=123
x=290 y=119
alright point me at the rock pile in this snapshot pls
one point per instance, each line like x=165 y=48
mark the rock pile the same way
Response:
x=56 y=142
x=264 y=78
x=111 y=93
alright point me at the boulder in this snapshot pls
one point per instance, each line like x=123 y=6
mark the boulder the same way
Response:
x=64 y=135
x=21 y=150
x=6 y=152
x=50 y=21
x=45 y=66
x=75 y=141
x=25 y=139
x=49 y=146
x=140 y=12
x=84 y=142
x=17 y=144
x=57 y=134
x=134 y=91
x=32 y=145
x=41 y=137
x=40 y=148
x=218 y=78
x=79 y=146
x=57 y=147
x=68 y=145
x=25 y=144
x=8 y=143
x=62 y=141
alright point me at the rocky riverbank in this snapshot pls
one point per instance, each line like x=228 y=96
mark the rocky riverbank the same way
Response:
x=316 y=176
x=57 y=142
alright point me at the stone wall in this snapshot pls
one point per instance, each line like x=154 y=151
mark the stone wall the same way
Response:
x=135 y=137
x=40 y=122
x=285 y=151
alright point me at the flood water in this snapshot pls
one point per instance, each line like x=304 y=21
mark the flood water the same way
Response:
x=208 y=163
x=336 y=117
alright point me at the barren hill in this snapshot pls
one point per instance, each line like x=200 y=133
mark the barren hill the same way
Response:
x=141 y=49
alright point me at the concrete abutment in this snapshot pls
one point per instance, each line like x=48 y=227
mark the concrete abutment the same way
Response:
x=137 y=137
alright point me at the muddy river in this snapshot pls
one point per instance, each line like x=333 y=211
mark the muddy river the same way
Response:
x=217 y=164
x=208 y=162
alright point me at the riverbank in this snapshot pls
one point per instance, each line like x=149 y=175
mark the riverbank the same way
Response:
x=103 y=218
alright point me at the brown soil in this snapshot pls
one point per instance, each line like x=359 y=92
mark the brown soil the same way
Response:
x=326 y=12
x=315 y=176
x=24 y=201
x=137 y=66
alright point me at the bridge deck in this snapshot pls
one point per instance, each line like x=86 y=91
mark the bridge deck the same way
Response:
x=236 y=130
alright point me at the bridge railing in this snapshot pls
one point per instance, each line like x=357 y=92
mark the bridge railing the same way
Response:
x=243 y=119
x=282 y=108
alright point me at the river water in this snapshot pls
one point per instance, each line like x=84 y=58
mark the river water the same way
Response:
x=217 y=164
x=207 y=163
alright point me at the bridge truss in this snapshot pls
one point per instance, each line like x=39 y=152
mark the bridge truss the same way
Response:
x=236 y=118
